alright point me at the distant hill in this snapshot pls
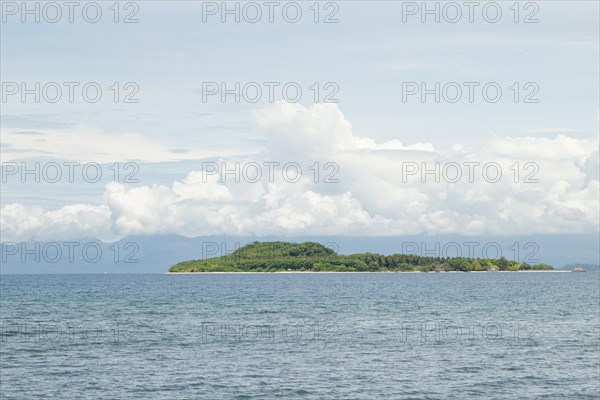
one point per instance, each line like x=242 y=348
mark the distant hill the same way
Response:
x=312 y=256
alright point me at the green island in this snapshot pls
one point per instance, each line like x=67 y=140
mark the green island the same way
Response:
x=314 y=257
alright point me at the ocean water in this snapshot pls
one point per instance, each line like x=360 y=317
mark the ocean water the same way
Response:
x=306 y=336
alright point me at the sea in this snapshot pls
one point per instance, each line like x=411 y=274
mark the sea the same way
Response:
x=526 y=335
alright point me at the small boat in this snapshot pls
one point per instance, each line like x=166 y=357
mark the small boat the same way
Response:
x=578 y=269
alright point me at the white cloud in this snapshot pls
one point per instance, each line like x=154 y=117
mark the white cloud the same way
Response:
x=86 y=144
x=372 y=196
x=69 y=222
x=542 y=148
x=590 y=166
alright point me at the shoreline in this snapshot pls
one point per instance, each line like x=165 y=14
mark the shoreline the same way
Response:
x=358 y=272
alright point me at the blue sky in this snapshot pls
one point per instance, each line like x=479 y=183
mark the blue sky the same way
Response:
x=368 y=54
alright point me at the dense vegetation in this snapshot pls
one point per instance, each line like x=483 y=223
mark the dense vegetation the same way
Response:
x=310 y=256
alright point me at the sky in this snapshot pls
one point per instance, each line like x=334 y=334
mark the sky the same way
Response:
x=522 y=161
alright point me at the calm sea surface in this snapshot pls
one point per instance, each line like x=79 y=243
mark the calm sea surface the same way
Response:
x=309 y=336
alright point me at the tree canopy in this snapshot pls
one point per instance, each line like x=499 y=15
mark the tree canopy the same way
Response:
x=312 y=256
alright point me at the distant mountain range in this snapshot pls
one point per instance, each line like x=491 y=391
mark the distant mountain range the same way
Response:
x=155 y=254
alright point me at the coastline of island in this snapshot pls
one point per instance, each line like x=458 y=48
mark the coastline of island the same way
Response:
x=312 y=257
x=351 y=272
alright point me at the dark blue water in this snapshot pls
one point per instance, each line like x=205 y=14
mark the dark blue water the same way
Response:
x=310 y=336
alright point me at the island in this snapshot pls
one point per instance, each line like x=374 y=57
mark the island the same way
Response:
x=314 y=257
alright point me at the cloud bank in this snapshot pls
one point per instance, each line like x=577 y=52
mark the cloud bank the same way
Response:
x=349 y=185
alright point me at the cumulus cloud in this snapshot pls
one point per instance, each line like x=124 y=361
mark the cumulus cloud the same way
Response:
x=72 y=221
x=590 y=166
x=295 y=130
x=508 y=186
